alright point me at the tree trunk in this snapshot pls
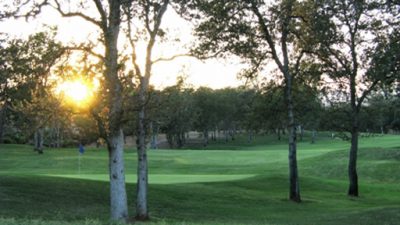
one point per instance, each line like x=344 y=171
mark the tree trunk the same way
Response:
x=353 y=178
x=294 y=186
x=119 y=205
x=115 y=136
x=250 y=136
x=154 y=135
x=278 y=132
x=142 y=167
x=314 y=134
x=58 y=136
x=36 y=137
x=38 y=140
x=205 y=140
x=2 y=122
x=301 y=132
x=183 y=138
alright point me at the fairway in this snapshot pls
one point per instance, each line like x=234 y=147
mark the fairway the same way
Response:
x=163 y=178
x=211 y=186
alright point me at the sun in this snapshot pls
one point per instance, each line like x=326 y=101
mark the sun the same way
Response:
x=77 y=92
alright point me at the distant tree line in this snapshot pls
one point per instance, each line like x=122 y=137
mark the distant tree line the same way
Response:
x=179 y=109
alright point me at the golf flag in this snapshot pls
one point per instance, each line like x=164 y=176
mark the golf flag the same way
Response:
x=81 y=149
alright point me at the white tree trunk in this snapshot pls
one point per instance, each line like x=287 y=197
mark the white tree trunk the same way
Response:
x=142 y=171
x=119 y=205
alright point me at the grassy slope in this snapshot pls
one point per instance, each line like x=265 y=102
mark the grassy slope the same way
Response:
x=246 y=186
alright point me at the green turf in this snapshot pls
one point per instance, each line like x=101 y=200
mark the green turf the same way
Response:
x=246 y=186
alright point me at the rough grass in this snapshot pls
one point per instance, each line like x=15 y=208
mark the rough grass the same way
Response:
x=200 y=187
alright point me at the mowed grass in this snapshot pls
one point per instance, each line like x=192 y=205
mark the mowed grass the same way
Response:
x=246 y=185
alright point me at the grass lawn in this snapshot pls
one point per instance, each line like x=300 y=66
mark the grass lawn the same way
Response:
x=234 y=183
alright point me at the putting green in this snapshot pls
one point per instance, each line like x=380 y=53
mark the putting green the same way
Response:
x=163 y=178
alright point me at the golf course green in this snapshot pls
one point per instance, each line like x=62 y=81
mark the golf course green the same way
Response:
x=246 y=184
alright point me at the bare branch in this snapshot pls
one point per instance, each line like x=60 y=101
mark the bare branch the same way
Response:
x=366 y=93
x=147 y=12
x=153 y=35
x=160 y=14
x=35 y=10
x=132 y=41
x=76 y=14
x=298 y=61
x=172 y=58
x=102 y=12
x=267 y=34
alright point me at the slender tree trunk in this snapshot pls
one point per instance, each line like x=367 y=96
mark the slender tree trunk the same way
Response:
x=314 y=134
x=142 y=167
x=38 y=140
x=170 y=140
x=154 y=135
x=58 y=136
x=294 y=186
x=2 y=122
x=250 y=136
x=183 y=138
x=278 y=132
x=301 y=132
x=355 y=106
x=142 y=170
x=352 y=169
x=142 y=182
x=119 y=207
x=205 y=140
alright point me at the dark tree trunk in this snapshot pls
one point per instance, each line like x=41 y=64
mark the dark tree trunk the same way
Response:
x=183 y=138
x=314 y=134
x=352 y=170
x=205 y=140
x=170 y=140
x=38 y=140
x=250 y=136
x=154 y=135
x=301 y=132
x=294 y=186
x=58 y=136
x=2 y=122
x=278 y=132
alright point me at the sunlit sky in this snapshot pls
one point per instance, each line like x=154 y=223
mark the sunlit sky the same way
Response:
x=214 y=73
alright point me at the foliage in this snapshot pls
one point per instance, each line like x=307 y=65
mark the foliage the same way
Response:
x=26 y=91
x=178 y=114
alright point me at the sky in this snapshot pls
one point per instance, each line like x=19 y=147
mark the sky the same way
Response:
x=214 y=73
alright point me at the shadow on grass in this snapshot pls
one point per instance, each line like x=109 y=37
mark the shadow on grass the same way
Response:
x=256 y=200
